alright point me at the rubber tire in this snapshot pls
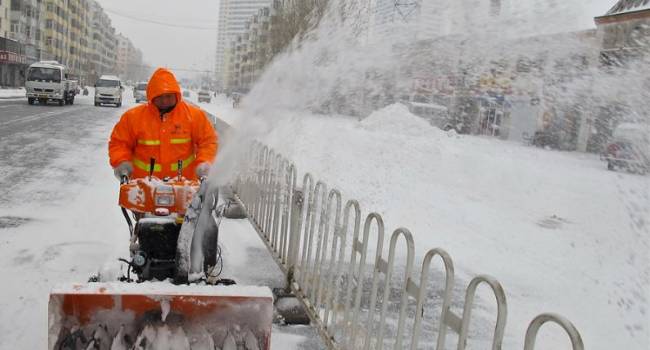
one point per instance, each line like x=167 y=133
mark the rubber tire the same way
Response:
x=119 y=104
x=30 y=100
x=61 y=102
x=72 y=100
x=610 y=166
x=96 y=104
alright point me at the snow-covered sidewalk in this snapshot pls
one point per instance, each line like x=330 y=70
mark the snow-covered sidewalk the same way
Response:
x=6 y=94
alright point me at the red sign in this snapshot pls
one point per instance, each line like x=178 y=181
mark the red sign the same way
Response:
x=11 y=57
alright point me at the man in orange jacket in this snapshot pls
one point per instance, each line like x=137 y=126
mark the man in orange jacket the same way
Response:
x=167 y=130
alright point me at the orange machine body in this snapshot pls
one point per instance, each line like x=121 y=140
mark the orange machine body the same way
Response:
x=150 y=195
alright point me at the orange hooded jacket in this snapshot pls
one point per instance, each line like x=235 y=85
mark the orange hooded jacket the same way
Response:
x=185 y=134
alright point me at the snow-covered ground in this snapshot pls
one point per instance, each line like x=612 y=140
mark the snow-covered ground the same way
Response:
x=560 y=232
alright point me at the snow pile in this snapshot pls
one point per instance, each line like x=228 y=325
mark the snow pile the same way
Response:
x=397 y=119
x=12 y=93
x=559 y=231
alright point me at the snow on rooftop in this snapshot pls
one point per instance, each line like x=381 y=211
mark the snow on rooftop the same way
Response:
x=109 y=77
x=627 y=6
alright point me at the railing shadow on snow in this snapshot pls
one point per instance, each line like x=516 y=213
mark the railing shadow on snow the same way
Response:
x=356 y=296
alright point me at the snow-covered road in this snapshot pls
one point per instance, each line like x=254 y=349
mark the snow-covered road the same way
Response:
x=57 y=215
x=59 y=220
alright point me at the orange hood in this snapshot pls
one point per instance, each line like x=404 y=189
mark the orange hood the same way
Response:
x=163 y=82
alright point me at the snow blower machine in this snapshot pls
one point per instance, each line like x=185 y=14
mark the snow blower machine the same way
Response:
x=171 y=296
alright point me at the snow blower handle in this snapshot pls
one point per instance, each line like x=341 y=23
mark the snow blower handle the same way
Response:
x=152 y=165
x=124 y=179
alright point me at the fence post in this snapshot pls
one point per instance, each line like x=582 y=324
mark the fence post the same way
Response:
x=539 y=321
x=294 y=234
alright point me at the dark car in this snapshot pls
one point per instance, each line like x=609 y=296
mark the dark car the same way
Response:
x=629 y=148
x=205 y=96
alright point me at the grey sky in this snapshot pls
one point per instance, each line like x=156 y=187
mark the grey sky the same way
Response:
x=174 y=47
x=194 y=49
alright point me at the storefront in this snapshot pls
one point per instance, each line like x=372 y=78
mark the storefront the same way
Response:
x=12 y=63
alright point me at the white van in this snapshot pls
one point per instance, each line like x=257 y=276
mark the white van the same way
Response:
x=140 y=92
x=48 y=81
x=108 y=90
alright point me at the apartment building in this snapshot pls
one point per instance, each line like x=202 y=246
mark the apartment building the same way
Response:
x=77 y=42
x=124 y=45
x=233 y=18
x=4 y=18
x=65 y=32
x=77 y=33
x=129 y=65
x=25 y=26
x=249 y=50
x=103 y=43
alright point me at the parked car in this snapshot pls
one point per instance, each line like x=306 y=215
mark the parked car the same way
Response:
x=108 y=90
x=629 y=148
x=140 y=92
x=205 y=96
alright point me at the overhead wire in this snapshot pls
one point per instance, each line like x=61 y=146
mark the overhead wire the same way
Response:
x=160 y=23
x=137 y=18
x=173 y=68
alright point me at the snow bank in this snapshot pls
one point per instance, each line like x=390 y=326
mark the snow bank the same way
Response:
x=12 y=93
x=559 y=231
x=397 y=119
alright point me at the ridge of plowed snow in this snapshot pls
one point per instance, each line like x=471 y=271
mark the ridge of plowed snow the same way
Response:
x=397 y=119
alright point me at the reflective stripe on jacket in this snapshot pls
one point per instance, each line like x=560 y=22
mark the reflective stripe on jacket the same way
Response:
x=185 y=134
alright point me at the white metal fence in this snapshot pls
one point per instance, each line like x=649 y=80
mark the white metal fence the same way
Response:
x=335 y=260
